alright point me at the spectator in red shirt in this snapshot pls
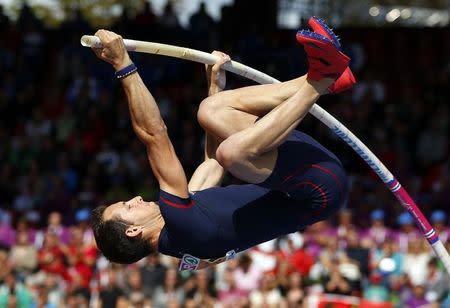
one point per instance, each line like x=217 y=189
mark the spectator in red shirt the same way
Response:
x=301 y=261
x=80 y=257
x=51 y=256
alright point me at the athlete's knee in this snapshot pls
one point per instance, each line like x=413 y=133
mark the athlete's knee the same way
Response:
x=233 y=151
x=226 y=155
x=208 y=110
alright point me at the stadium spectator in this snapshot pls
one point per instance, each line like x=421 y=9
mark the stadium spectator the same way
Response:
x=41 y=298
x=229 y=295
x=203 y=294
x=24 y=255
x=437 y=282
x=377 y=232
x=14 y=293
x=298 y=258
x=80 y=257
x=247 y=275
x=317 y=237
x=169 y=292
x=135 y=289
x=152 y=271
x=376 y=291
x=82 y=217
x=334 y=281
x=295 y=293
x=267 y=294
x=344 y=226
x=416 y=260
x=356 y=252
x=6 y=265
x=55 y=287
x=51 y=257
x=388 y=260
x=417 y=298
x=109 y=294
x=54 y=225
x=438 y=219
x=7 y=231
x=407 y=231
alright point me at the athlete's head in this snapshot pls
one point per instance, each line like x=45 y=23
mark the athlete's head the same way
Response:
x=122 y=229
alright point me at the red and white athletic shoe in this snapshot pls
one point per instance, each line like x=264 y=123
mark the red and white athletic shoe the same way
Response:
x=324 y=58
x=346 y=80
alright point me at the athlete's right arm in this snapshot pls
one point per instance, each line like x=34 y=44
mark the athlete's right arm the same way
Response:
x=146 y=119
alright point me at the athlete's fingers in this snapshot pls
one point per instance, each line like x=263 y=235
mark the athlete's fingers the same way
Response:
x=216 y=66
x=113 y=48
x=102 y=35
x=223 y=58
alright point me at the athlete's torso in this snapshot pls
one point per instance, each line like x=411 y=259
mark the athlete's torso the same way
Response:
x=217 y=222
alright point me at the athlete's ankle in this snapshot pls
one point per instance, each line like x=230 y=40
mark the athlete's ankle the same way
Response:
x=321 y=86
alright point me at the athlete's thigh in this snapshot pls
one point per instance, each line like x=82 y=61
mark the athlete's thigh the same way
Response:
x=222 y=120
x=255 y=170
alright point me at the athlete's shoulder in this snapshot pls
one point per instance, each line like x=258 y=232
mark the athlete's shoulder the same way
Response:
x=166 y=198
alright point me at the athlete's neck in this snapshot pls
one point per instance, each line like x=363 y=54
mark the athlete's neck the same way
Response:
x=157 y=223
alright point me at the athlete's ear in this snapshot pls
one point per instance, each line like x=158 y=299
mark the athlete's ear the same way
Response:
x=133 y=231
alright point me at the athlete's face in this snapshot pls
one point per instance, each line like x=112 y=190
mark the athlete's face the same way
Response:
x=135 y=211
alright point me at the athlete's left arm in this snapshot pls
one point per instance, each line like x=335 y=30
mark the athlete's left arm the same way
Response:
x=210 y=173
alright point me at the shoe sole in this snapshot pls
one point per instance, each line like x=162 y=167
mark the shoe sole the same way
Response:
x=318 y=24
x=318 y=41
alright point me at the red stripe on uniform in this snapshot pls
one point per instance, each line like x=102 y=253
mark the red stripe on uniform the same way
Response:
x=177 y=205
x=294 y=173
x=327 y=171
x=335 y=177
x=315 y=186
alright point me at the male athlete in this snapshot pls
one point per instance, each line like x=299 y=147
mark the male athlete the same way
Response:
x=291 y=180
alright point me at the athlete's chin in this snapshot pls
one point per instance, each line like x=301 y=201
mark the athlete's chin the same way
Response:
x=150 y=203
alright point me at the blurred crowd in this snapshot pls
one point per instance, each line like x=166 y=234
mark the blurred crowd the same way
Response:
x=66 y=146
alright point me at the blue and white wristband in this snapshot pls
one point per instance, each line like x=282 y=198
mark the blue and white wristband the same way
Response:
x=126 y=71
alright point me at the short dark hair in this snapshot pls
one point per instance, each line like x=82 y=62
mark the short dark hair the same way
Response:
x=111 y=239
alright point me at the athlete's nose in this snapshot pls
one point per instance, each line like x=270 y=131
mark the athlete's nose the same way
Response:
x=135 y=201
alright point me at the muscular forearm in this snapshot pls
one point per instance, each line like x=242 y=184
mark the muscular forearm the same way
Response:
x=151 y=130
x=209 y=174
x=144 y=111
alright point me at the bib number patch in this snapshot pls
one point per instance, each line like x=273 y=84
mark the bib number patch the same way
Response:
x=189 y=263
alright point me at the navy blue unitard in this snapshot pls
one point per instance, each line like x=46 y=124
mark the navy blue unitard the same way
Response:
x=308 y=184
